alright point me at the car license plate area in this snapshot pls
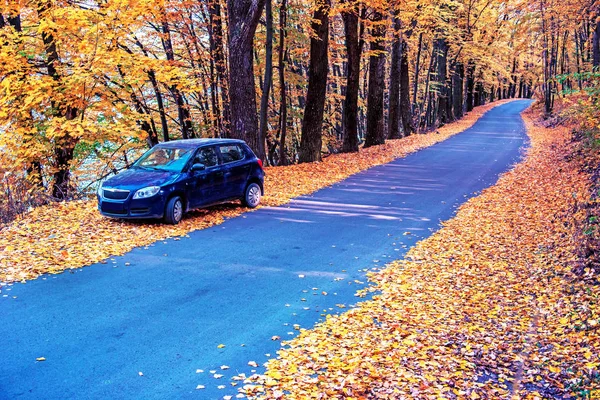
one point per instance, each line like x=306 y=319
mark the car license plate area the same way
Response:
x=113 y=208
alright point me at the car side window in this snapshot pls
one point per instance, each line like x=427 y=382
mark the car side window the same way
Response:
x=206 y=156
x=231 y=153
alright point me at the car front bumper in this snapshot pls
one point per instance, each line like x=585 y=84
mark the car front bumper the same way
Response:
x=152 y=207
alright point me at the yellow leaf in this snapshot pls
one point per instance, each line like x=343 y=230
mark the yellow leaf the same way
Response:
x=274 y=374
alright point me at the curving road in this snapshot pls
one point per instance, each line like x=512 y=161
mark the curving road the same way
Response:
x=146 y=330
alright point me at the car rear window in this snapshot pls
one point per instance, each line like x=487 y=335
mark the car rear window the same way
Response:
x=231 y=153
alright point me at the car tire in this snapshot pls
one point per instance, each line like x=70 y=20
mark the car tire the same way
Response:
x=174 y=211
x=252 y=195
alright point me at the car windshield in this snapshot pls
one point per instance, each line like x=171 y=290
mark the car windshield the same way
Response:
x=171 y=159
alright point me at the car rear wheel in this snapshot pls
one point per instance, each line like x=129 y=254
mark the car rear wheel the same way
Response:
x=174 y=211
x=252 y=195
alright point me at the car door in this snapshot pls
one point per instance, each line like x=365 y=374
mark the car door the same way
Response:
x=204 y=186
x=236 y=169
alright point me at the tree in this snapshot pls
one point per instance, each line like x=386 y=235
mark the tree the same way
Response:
x=596 y=43
x=394 y=102
x=268 y=80
x=144 y=72
x=405 y=106
x=283 y=120
x=354 y=44
x=375 y=126
x=441 y=52
x=312 y=123
x=243 y=19
x=218 y=57
x=400 y=114
x=183 y=113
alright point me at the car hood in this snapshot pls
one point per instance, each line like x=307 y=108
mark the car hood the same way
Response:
x=137 y=178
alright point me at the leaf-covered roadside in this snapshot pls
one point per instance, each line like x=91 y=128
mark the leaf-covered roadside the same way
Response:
x=488 y=307
x=62 y=236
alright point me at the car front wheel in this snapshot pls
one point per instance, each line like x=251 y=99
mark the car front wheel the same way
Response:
x=174 y=211
x=252 y=196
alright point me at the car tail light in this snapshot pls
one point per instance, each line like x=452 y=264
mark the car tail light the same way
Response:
x=260 y=163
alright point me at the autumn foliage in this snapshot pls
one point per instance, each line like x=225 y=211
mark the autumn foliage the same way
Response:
x=488 y=307
x=99 y=82
x=62 y=236
x=501 y=302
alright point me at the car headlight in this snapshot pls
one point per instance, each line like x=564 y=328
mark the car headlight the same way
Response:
x=99 y=190
x=146 y=192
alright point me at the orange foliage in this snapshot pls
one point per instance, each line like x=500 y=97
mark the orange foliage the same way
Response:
x=485 y=308
x=62 y=236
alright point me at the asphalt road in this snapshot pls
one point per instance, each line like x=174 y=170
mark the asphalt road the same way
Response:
x=146 y=330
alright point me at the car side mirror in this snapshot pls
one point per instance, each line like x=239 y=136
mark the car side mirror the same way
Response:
x=198 y=167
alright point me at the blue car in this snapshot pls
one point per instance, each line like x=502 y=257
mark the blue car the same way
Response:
x=181 y=175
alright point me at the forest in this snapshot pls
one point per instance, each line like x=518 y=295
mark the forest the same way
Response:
x=85 y=86
x=499 y=301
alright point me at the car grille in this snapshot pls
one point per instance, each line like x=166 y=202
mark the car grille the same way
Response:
x=115 y=194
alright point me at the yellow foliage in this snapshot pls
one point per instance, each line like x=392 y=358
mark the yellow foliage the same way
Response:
x=502 y=317
x=62 y=236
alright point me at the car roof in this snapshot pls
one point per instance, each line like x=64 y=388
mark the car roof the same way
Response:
x=199 y=142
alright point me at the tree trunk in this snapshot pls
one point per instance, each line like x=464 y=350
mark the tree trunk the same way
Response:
x=268 y=81
x=161 y=106
x=579 y=82
x=183 y=113
x=64 y=146
x=478 y=98
x=144 y=124
x=458 y=75
x=217 y=118
x=394 y=91
x=521 y=88
x=312 y=123
x=596 y=44
x=218 y=56
x=243 y=19
x=470 y=86
x=424 y=119
x=565 y=67
x=214 y=100
x=417 y=70
x=375 y=129
x=512 y=87
x=283 y=96
x=546 y=63
x=441 y=49
x=350 y=111
x=405 y=107
x=15 y=22
x=63 y=152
